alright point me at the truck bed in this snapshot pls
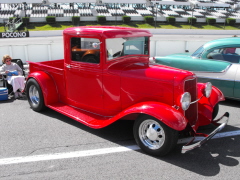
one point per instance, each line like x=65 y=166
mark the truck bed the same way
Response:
x=47 y=66
x=59 y=64
x=55 y=69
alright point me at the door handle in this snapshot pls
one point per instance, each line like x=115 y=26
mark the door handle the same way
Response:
x=68 y=66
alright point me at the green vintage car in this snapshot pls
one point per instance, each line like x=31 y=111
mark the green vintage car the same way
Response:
x=216 y=61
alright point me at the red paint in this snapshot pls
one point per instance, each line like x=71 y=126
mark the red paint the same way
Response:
x=98 y=94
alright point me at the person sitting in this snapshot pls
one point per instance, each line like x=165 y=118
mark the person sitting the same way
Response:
x=14 y=75
x=230 y=51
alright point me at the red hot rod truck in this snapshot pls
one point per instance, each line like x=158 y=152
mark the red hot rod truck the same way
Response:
x=106 y=76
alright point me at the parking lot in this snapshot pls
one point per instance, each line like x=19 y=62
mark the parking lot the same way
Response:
x=49 y=145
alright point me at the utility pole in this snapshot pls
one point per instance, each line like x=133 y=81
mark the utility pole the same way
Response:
x=156 y=4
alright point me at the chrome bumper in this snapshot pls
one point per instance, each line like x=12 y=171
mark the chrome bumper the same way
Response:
x=187 y=147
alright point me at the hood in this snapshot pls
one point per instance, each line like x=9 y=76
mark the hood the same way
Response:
x=150 y=82
x=151 y=72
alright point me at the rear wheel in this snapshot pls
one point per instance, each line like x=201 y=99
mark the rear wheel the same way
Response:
x=90 y=59
x=35 y=95
x=153 y=136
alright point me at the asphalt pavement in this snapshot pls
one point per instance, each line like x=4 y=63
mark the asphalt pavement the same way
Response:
x=49 y=145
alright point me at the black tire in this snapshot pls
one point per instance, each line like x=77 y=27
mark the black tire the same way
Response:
x=90 y=59
x=35 y=95
x=153 y=136
x=215 y=111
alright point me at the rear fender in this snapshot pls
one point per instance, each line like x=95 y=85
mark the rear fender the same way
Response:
x=206 y=105
x=163 y=112
x=47 y=86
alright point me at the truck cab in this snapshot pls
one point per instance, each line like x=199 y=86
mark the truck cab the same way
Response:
x=93 y=80
x=106 y=76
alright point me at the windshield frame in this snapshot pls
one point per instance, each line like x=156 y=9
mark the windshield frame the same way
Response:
x=198 y=53
x=135 y=46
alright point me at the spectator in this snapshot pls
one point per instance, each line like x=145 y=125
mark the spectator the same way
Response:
x=230 y=51
x=14 y=75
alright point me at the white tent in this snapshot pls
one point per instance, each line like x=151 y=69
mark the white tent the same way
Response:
x=125 y=1
x=208 y=4
x=51 y=1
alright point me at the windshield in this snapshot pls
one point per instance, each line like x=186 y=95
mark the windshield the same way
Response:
x=198 y=52
x=117 y=47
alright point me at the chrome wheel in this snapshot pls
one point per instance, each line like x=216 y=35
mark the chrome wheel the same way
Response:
x=34 y=95
x=151 y=134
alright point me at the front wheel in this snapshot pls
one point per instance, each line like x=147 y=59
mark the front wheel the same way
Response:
x=153 y=136
x=35 y=95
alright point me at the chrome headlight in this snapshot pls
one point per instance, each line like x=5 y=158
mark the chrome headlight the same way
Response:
x=208 y=89
x=185 y=100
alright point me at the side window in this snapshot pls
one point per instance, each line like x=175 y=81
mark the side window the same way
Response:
x=117 y=47
x=85 y=50
x=216 y=54
x=231 y=50
x=198 y=52
x=230 y=54
x=237 y=51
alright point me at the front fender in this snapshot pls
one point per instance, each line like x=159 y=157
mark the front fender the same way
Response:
x=206 y=105
x=163 y=112
x=47 y=86
x=216 y=96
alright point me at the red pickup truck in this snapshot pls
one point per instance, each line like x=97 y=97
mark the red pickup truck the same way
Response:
x=106 y=76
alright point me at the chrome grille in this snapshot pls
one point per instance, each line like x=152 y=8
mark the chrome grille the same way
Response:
x=192 y=112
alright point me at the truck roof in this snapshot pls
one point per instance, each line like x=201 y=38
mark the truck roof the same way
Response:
x=108 y=31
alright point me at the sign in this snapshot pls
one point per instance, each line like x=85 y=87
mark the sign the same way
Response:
x=14 y=34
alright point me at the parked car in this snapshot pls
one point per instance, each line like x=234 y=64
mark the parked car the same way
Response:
x=216 y=61
x=106 y=76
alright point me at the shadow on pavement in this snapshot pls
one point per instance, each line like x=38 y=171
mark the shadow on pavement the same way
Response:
x=231 y=102
x=206 y=160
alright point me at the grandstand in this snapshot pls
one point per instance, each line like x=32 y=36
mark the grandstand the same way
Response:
x=88 y=10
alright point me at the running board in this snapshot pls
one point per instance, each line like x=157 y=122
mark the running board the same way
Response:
x=84 y=117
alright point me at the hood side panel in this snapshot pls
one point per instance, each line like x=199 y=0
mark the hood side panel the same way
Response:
x=143 y=82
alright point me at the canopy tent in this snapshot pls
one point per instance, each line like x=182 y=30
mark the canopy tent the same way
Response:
x=72 y=1
x=125 y=1
x=172 y=2
x=217 y=4
x=163 y=2
x=51 y=1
